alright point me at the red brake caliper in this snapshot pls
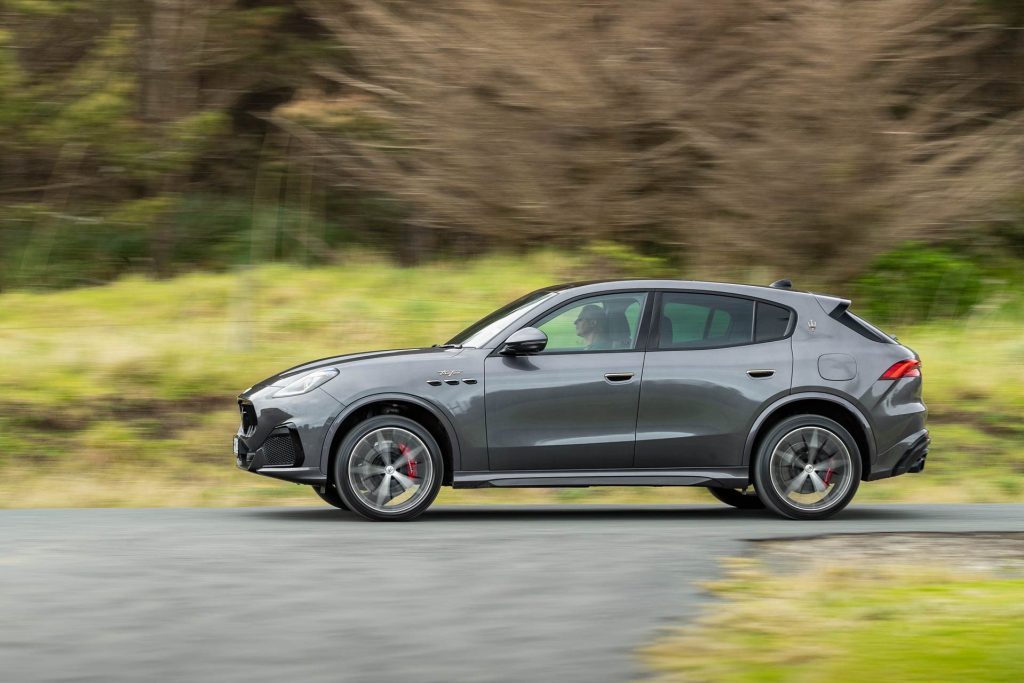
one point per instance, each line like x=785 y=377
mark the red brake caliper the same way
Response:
x=411 y=464
x=828 y=477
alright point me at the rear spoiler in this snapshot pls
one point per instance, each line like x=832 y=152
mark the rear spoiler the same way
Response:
x=836 y=309
x=832 y=305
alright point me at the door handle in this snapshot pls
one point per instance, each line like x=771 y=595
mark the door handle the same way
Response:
x=618 y=376
x=760 y=374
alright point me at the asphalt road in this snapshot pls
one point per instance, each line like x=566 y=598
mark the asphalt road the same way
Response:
x=312 y=594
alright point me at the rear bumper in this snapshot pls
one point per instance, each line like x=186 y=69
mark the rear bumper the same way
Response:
x=907 y=456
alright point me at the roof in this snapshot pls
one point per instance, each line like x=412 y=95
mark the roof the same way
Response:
x=759 y=291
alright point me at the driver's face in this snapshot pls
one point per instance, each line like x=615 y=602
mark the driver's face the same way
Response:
x=583 y=326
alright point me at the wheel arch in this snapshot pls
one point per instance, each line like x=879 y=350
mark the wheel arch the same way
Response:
x=423 y=412
x=837 y=408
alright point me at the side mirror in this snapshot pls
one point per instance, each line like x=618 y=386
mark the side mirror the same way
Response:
x=524 y=342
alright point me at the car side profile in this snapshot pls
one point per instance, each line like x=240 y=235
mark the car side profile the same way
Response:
x=768 y=396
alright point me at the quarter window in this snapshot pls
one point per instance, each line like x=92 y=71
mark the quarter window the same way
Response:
x=772 y=322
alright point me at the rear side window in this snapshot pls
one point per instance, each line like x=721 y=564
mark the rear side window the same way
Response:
x=771 y=322
x=702 y=321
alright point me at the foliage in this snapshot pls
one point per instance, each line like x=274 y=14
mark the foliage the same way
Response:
x=612 y=259
x=730 y=135
x=103 y=133
x=1009 y=228
x=733 y=133
x=916 y=282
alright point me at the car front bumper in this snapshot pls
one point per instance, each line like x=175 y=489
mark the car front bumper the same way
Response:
x=283 y=438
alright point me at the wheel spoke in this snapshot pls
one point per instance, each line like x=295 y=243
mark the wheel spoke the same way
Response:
x=406 y=482
x=787 y=456
x=367 y=469
x=383 y=448
x=797 y=482
x=817 y=482
x=407 y=457
x=384 y=490
x=831 y=464
x=365 y=450
x=813 y=448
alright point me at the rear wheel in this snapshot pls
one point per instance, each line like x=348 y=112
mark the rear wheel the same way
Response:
x=329 y=495
x=388 y=468
x=738 y=498
x=807 y=467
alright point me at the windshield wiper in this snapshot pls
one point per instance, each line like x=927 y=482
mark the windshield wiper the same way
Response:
x=446 y=346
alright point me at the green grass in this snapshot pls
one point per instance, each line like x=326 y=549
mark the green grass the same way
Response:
x=124 y=393
x=880 y=622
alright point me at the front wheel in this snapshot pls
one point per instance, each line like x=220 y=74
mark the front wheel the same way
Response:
x=807 y=467
x=737 y=498
x=388 y=468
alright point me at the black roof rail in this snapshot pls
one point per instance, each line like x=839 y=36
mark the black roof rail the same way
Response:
x=782 y=284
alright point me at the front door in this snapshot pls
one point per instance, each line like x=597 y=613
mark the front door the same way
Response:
x=572 y=406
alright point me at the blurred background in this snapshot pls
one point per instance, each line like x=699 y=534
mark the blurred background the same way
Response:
x=195 y=194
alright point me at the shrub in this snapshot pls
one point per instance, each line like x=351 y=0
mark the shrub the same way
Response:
x=915 y=282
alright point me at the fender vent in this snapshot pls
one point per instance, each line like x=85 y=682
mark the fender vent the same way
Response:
x=282 y=449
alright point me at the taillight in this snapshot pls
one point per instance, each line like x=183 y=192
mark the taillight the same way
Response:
x=903 y=368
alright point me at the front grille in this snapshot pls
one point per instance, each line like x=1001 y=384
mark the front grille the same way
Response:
x=248 y=417
x=282 y=449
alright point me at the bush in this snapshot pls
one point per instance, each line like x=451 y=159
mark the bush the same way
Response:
x=916 y=282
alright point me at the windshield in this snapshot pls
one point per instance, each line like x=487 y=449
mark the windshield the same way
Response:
x=482 y=330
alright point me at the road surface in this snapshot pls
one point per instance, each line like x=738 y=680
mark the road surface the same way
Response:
x=313 y=594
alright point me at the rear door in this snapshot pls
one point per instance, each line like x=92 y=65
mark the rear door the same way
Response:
x=713 y=362
x=574 y=405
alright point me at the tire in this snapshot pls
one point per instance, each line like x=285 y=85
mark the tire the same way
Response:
x=329 y=495
x=737 y=499
x=798 y=457
x=387 y=459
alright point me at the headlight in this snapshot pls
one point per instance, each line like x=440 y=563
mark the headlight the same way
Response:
x=307 y=382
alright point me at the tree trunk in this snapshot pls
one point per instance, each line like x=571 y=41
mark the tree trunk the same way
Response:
x=171 y=31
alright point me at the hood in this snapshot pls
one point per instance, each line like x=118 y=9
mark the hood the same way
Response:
x=282 y=378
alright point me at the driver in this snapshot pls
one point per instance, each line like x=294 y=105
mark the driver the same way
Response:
x=591 y=326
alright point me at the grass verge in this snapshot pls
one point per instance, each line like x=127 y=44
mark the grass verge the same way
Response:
x=850 y=620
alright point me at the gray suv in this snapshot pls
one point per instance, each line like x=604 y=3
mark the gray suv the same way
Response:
x=767 y=396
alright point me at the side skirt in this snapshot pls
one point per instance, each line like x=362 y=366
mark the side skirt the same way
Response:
x=727 y=477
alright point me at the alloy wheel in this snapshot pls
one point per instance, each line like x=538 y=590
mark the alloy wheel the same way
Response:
x=811 y=468
x=390 y=469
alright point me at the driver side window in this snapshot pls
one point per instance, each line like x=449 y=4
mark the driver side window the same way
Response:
x=608 y=322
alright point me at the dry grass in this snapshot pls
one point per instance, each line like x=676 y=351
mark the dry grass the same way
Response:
x=799 y=612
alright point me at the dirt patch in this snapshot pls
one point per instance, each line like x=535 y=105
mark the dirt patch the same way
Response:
x=995 y=553
x=170 y=415
x=1001 y=425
